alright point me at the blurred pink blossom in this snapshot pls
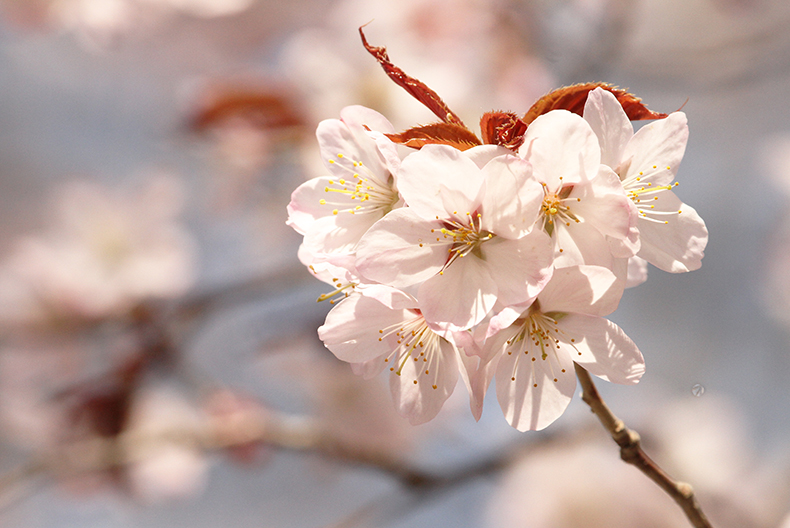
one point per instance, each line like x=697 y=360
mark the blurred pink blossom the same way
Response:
x=105 y=252
x=166 y=462
x=99 y=23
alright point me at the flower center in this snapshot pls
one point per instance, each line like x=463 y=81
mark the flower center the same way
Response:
x=362 y=192
x=416 y=342
x=538 y=337
x=646 y=195
x=556 y=208
x=466 y=235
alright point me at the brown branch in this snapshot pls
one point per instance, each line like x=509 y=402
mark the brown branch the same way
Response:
x=287 y=432
x=632 y=453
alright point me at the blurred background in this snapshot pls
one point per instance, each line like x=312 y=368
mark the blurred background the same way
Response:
x=159 y=364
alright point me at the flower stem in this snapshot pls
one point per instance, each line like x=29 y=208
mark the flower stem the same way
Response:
x=632 y=453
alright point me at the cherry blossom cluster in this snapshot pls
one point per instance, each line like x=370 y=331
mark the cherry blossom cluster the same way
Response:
x=494 y=261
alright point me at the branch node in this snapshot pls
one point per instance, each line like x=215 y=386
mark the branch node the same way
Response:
x=685 y=489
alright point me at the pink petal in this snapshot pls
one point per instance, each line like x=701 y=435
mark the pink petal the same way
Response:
x=388 y=296
x=477 y=375
x=420 y=401
x=351 y=329
x=343 y=146
x=482 y=154
x=520 y=268
x=305 y=205
x=460 y=297
x=678 y=245
x=637 y=272
x=400 y=250
x=369 y=369
x=562 y=148
x=335 y=234
x=661 y=143
x=580 y=243
x=533 y=394
x=437 y=179
x=512 y=198
x=604 y=204
x=360 y=117
x=610 y=123
x=592 y=290
x=603 y=349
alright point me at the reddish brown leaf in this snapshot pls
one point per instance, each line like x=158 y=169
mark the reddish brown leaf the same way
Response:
x=264 y=108
x=451 y=134
x=416 y=88
x=572 y=98
x=503 y=128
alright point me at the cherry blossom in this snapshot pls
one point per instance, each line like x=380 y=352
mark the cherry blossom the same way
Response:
x=104 y=253
x=164 y=467
x=385 y=329
x=672 y=235
x=465 y=241
x=584 y=209
x=536 y=349
x=333 y=212
x=100 y=23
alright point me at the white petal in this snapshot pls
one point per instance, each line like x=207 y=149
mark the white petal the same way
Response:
x=351 y=329
x=610 y=123
x=604 y=204
x=562 y=148
x=369 y=369
x=662 y=144
x=305 y=205
x=637 y=272
x=390 y=251
x=336 y=234
x=533 y=394
x=603 y=349
x=482 y=154
x=520 y=268
x=593 y=290
x=477 y=375
x=437 y=179
x=678 y=245
x=460 y=297
x=344 y=145
x=580 y=243
x=358 y=117
x=512 y=198
x=388 y=296
x=420 y=401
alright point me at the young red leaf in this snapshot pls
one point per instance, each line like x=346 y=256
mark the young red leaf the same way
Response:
x=451 y=134
x=503 y=128
x=572 y=98
x=416 y=88
x=262 y=107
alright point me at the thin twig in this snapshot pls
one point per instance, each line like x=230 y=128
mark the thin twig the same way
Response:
x=287 y=432
x=632 y=453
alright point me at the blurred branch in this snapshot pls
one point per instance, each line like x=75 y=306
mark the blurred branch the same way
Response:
x=632 y=453
x=289 y=432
